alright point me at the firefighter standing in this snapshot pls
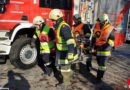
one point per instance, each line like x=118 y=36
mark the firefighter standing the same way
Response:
x=104 y=34
x=46 y=36
x=84 y=31
x=65 y=43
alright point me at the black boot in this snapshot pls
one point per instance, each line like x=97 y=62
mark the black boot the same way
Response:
x=99 y=82
x=59 y=77
x=89 y=65
x=47 y=70
x=100 y=75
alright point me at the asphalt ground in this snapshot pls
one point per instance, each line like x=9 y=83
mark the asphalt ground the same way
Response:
x=115 y=78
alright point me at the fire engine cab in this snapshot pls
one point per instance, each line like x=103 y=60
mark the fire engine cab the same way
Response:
x=16 y=28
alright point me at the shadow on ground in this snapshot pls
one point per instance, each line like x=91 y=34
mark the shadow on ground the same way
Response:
x=92 y=79
x=16 y=82
x=123 y=53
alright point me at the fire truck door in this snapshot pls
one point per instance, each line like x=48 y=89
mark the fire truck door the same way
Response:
x=17 y=11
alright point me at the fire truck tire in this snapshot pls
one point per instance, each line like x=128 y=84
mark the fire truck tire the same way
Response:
x=22 y=55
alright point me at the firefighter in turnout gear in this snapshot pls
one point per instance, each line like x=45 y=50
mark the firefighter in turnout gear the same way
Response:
x=104 y=34
x=66 y=46
x=84 y=32
x=46 y=36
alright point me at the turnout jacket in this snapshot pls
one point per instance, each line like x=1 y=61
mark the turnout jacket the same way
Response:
x=65 y=43
x=104 y=39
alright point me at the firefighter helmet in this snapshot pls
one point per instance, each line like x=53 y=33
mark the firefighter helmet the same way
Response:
x=38 y=20
x=103 y=18
x=55 y=14
x=77 y=16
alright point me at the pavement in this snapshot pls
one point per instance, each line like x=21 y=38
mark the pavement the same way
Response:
x=116 y=76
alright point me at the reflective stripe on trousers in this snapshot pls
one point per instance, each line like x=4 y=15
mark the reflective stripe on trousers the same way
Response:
x=60 y=61
x=102 y=68
x=44 y=51
x=103 y=53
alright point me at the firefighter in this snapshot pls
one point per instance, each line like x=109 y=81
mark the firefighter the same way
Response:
x=104 y=34
x=66 y=46
x=46 y=36
x=85 y=32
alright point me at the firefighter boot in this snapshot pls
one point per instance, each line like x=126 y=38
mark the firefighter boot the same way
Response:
x=66 y=80
x=48 y=72
x=99 y=76
x=67 y=74
x=99 y=82
x=59 y=77
x=89 y=65
x=76 y=69
x=62 y=86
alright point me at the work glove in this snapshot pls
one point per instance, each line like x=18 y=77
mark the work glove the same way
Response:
x=70 y=58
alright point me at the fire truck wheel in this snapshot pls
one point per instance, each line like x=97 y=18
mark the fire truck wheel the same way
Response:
x=22 y=55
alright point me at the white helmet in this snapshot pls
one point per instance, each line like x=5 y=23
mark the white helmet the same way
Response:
x=103 y=18
x=55 y=14
x=38 y=20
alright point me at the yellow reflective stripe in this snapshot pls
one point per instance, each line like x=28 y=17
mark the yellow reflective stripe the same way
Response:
x=103 y=68
x=43 y=32
x=44 y=46
x=60 y=46
x=44 y=43
x=87 y=34
x=44 y=51
x=103 y=53
x=75 y=57
x=111 y=42
x=70 y=55
x=60 y=61
x=34 y=36
x=70 y=41
x=47 y=49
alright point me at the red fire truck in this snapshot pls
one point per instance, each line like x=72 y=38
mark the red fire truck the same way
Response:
x=16 y=28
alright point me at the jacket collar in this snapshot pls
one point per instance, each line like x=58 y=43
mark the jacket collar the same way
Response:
x=57 y=23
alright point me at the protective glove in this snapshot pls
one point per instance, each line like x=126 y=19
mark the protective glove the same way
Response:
x=70 y=58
